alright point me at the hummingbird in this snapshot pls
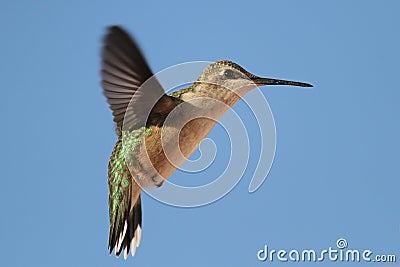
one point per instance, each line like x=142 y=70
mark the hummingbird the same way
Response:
x=156 y=131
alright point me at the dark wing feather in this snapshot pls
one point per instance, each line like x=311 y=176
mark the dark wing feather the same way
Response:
x=124 y=71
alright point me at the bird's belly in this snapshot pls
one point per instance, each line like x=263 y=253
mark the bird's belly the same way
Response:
x=167 y=148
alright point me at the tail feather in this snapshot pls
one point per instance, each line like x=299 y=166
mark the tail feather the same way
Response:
x=128 y=237
x=137 y=229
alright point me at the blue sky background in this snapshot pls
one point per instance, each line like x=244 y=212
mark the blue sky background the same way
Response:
x=336 y=167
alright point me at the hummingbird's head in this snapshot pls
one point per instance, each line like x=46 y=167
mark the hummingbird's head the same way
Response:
x=225 y=79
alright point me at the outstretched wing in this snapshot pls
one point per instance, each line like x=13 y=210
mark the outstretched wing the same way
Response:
x=124 y=71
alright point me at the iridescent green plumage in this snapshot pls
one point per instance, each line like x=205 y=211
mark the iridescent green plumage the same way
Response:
x=120 y=185
x=119 y=180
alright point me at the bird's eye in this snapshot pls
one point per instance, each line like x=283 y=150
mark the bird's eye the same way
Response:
x=230 y=74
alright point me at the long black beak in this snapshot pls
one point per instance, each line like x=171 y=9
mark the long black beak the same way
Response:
x=267 y=81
